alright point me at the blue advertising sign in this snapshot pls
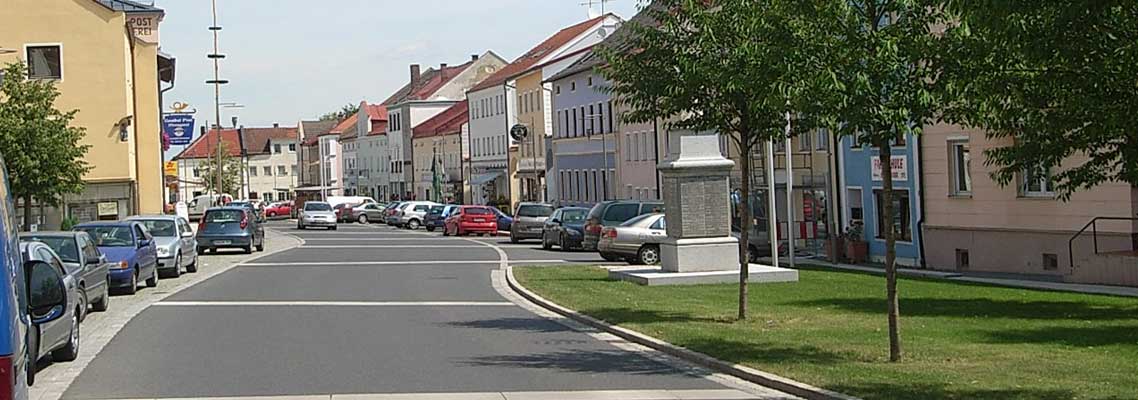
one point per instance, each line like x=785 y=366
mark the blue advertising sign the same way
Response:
x=180 y=128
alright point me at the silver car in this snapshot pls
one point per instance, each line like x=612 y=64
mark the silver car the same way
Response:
x=59 y=337
x=636 y=240
x=316 y=213
x=412 y=214
x=529 y=219
x=177 y=247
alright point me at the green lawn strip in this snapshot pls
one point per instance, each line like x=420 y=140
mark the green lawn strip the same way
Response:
x=962 y=340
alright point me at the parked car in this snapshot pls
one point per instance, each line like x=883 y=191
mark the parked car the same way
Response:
x=82 y=263
x=357 y=200
x=253 y=207
x=33 y=294
x=613 y=213
x=529 y=220
x=128 y=245
x=636 y=240
x=411 y=214
x=177 y=247
x=759 y=242
x=505 y=222
x=343 y=211
x=279 y=209
x=436 y=217
x=230 y=228
x=59 y=337
x=389 y=212
x=316 y=213
x=471 y=219
x=564 y=228
x=366 y=213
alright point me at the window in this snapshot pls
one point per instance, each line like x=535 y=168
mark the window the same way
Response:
x=856 y=143
x=1050 y=261
x=575 y=131
x=197 y=173
x=573 y=86
x=619 y=213
x=592 y=120
x=45 y=62
x=601 y=116
x=557 y=89
x=292 y=147
x=293 y=172
x=628 y=147
x=590 y=81
x=856 y=213
x=804 y=143
x=252 y=171
x=635 y=147
x=277 y=148
x=268 y=196
x=900 y=223
x=267 y=170
x=1037 y=182
x=659 y=225
x=960 y=161
x=610 y=119
x=644 y=146
x=822 y=142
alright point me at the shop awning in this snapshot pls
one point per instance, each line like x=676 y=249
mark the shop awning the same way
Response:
x=482 y=179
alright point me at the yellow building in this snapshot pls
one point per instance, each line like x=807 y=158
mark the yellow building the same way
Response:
x=104 y=55
x=527 y=164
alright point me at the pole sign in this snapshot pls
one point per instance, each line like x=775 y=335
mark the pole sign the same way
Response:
x=180 y=127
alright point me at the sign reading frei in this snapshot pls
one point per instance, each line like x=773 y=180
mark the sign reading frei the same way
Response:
x=899 y=165
x=144 y=27
x=180 y=127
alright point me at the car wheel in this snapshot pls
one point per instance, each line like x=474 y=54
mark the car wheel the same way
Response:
x=177 y=266
x=752 y=255
x=271 y=214
x=648 y=255
x=261 y=246
x=248 y=249
x=71 y=351
x=133 y=282
x=153 y=280
x=430 y=228
x=193 y=267
x=545 y=245
x=83 y=302
x=104 y=301
x=413 y=224
x=333 y=227
x=561 y=242
x=446 y=232
x=513 y=239
x=363 y=218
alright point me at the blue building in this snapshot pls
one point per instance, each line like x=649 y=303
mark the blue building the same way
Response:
x=582 y=155
x=861 y=183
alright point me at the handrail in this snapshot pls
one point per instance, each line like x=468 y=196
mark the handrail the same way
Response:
x=1094 y=235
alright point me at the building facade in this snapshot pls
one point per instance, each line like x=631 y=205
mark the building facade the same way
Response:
x=113 y=77
x=192 y=160
x=585 y=145
x=861 y=197
x=371 y=155
x=272 y=173
x=438 y=155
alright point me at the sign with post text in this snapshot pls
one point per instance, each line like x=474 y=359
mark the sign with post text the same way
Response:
x=144 y=27
x=898 y=163
x=180 y=127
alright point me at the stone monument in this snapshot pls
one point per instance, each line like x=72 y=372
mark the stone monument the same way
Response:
x=696 y=188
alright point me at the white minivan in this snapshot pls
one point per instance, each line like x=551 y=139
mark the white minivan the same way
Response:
x=337 y=200
x=201 y=203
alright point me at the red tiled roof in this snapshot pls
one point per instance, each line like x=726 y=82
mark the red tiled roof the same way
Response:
x=448 y=121
x=206 y=145
x=530 y=58
x=315 y=129
x=377 y=113
x=257 y=139
x=429 y=82
x=378 y=128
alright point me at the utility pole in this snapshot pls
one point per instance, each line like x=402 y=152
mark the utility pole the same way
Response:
x=216 y=82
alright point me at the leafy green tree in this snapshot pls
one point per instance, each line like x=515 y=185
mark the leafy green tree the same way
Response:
x=1052 y=83
x=43 y=152
x=727 y=66
x=346 y=111
x=881 y=53
x=232 y=178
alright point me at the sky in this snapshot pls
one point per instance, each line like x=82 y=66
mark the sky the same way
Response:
x=289 y=60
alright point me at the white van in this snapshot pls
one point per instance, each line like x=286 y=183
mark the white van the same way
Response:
x=337 y=200
x=201 y=203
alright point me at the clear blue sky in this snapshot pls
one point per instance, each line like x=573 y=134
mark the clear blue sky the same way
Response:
x=289 y=60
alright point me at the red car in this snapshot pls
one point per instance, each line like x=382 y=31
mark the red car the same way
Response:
x=283 y=208
x=471 y=219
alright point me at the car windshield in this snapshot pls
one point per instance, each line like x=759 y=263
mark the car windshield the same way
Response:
x=437 y=210
x=535 y=210
x=317 y=207
x=160 y=227
x=477 y=211
x=572 y=216
x=223 y=216
x=109 y=236
x=64 y=246
x=241 y=204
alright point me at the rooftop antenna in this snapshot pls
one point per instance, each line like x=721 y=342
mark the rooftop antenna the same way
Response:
x=591 y=3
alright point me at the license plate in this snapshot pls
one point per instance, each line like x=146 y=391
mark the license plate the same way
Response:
x=479 y=220
x=222 y=242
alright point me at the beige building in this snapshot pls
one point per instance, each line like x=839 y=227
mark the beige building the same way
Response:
x=272 y=169
x=973 y=224
x=104 y=56
x=437 y=144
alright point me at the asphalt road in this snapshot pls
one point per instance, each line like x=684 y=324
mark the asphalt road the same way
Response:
x=365 y=310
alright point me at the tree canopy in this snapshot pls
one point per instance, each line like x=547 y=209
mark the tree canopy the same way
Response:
x=344 y=112
x=232 y=178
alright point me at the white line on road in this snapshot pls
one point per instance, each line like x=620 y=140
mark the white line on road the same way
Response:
x=707 y=394
x=343 y=263
x=334 y=303
x=378 y=238
x=392 y=246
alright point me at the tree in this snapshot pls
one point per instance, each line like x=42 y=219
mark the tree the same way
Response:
x=231 y=176
x=728 y=66
x=1052 y=82
x=346 y=111
x=881 y=52
x=43 y=152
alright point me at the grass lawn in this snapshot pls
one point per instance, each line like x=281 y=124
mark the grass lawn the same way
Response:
x=961 y=341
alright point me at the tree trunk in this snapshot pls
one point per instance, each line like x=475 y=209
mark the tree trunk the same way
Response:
x=885 y=156
x=27 y=213
x=745 y=225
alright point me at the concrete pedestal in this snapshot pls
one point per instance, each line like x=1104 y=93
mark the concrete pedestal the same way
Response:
x=700 y=254
x=758 y=273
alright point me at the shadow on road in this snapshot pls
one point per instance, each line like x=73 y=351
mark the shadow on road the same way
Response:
x=583 y=361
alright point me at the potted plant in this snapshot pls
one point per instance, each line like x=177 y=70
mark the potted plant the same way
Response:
x=857 y=250
x=836 y=248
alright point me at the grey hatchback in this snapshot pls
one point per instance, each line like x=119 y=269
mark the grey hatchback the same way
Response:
x=613 y=213
x=228 y=228
x=529 y=219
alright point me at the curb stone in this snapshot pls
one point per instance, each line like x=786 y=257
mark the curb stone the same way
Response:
x=739 y=371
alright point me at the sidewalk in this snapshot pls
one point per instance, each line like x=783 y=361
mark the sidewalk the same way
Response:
x=956 y=276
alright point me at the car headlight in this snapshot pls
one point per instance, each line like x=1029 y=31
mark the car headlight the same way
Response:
x=163 y=252
x=123 y=265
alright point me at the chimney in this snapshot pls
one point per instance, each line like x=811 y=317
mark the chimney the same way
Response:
x=414 y=75
x=443 y=70
x=276 y=125
x=473 y=57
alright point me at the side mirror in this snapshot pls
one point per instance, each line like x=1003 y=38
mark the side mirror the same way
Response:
x=555 y=221
x=95 y=261
x=188 y=234
x=143 y=243
x=46 y=294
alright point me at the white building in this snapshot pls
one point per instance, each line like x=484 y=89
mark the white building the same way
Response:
x=272 y=171
x=372 y=157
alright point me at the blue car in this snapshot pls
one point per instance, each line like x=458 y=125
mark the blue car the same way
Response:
x=31 y=295
x=130 y=248
x=504 y=221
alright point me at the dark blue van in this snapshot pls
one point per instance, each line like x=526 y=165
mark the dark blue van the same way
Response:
x=30 y=295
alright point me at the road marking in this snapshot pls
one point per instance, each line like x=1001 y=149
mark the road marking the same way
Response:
x=378 y=238
x=334 y=303
x=705 y=394
x=342 y=263
x=402 y=246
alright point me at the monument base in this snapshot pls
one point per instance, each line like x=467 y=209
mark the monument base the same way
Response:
x=701 y=254
x=657 y=277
